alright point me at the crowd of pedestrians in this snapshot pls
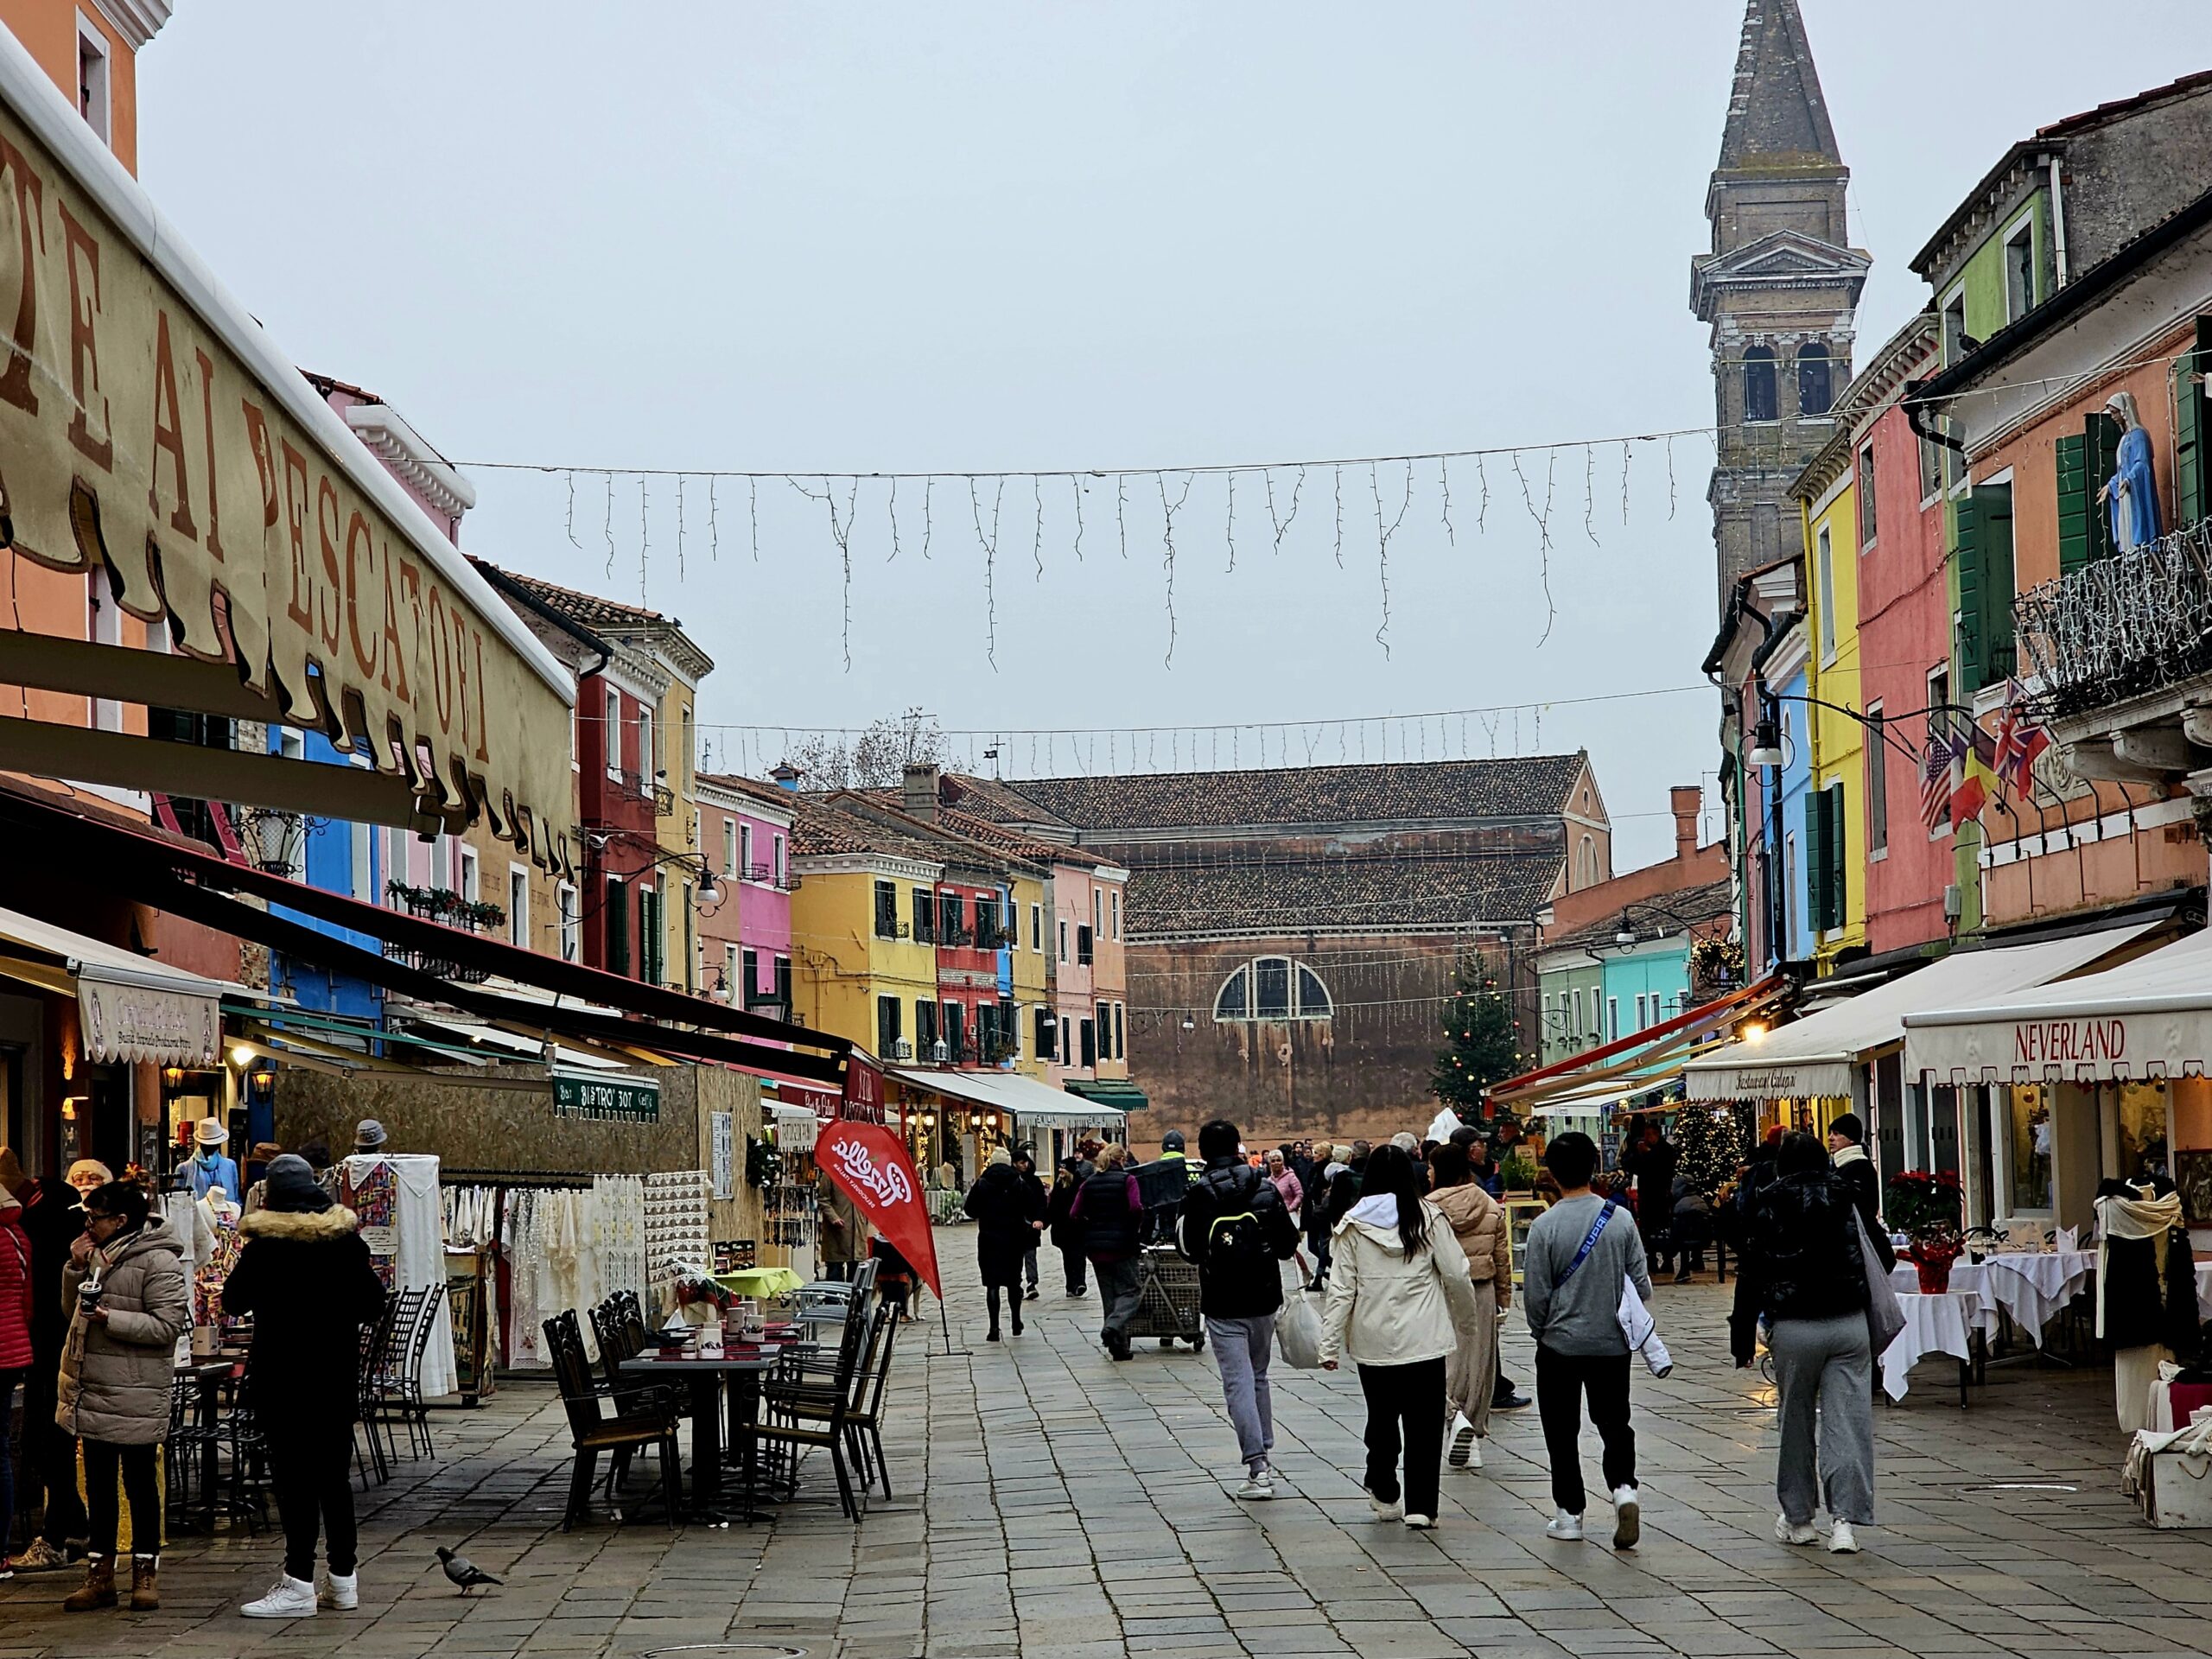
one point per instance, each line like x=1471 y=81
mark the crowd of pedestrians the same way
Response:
x=1409 y=1253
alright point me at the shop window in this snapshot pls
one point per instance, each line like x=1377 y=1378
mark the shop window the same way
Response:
x=2030 y=1126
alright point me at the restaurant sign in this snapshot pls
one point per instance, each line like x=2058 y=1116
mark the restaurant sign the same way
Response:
x=150 y=429
x=2069 y=1042
x=606 y=1100
x=140 y=1022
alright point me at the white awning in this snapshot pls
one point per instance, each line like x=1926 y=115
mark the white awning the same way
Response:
x=2148 y=1018
x=130 y=1006
x=1032 y=1104
x=1814 y=1056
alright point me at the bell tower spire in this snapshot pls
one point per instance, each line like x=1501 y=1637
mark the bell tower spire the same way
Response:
x=1778 y=288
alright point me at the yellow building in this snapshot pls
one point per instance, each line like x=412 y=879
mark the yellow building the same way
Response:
x=1835 y=812
x=857 y=970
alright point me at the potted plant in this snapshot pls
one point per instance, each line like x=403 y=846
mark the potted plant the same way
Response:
x=1518 y=1172
x=1925 y=1207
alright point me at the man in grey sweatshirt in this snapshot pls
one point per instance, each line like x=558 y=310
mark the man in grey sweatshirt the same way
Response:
x=1573 y=1311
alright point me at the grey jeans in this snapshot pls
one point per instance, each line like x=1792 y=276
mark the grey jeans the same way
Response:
x=1824 y=1367
x=1119 y=1294
x=1241 y=1349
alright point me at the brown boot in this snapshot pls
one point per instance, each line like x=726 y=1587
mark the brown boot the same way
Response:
x=97 y=1589
x=145 y=1584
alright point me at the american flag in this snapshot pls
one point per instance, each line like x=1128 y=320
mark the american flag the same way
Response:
x=1936 y=781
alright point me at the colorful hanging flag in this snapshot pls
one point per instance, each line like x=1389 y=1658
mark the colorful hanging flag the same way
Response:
x=1972 y=773
x=2020 y=740
x=1936 y=781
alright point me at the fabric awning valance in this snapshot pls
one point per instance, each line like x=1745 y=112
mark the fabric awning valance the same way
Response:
x=1815 y=1058
x=130 y=1006
x=1032 y=1103
x=2148 y=1018
x=153 y=432
x=1123 y=1097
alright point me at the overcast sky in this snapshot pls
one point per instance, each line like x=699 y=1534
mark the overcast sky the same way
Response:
x=971 y=238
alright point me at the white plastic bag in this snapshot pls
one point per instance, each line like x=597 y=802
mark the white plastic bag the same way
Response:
x=1298 y=1327
x=1642 y=1331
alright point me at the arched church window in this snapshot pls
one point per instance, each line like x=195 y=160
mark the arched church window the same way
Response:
x=1758 y=384
x=1815 y=379
x=1271 y=987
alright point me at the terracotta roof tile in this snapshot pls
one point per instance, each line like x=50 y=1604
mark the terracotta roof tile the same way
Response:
x=1535 y=785
x=1441 y=890
x=589 y=608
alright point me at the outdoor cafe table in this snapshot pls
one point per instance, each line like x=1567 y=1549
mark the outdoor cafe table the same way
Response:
x=207 y=1377
x=2033 y=1287
x=704 y=1371
x=761 y=1283
x=1944 y=1323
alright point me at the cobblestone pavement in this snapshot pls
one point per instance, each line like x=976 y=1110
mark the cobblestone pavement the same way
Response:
x=1051 y=1504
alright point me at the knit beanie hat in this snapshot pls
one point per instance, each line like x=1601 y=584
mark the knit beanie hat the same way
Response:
x=291 y=1186
x=1000 y=1155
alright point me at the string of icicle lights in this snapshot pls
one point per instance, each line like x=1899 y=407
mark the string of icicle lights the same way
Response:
x=1368 y=501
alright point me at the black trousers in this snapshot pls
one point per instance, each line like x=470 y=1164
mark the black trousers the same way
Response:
x=1405 y=1405
x=310 y=1471
x=1562 y=1380
x=50 y=1456
x=1072 y=1259
x=103 y=1461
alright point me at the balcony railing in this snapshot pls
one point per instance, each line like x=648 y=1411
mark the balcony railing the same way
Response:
x=2123 y=626
x=443 y=906
x=638 y=787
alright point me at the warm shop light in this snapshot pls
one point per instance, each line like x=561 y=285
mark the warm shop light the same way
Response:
x=240 y=1055
x=1754 y=1031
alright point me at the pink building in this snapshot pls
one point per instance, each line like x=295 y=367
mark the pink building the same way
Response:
x=745 y=834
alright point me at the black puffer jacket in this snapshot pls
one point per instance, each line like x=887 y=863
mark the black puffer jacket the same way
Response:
x=1109 y=1215
x=1801 y=1255
x=1003 y=1203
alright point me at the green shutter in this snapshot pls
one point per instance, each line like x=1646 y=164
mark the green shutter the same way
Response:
x=2076 y=498
x=2192 y=476
x=1816 y=859
x=1838 y=838
x=1993 y=536
x=2101 y=454
x=1966 y=558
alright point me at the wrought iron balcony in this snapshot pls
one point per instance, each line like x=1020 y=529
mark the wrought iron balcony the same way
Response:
x=2122 y=627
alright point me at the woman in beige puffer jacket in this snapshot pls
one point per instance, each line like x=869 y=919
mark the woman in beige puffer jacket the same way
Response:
x=1478 y=1221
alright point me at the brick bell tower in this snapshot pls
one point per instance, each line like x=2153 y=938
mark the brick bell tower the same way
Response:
x=1778 y=290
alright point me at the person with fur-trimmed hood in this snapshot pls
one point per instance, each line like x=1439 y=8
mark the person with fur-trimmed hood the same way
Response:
x=306 y=1278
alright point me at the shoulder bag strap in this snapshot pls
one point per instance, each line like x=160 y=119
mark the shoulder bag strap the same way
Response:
x=1589 y=1243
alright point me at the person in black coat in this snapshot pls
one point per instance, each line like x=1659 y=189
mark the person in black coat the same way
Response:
x=1008 y=1211
x=305 y=1278
x=1067 y=1234
x=1107 y=1213
x=54 y=1217
x=1847 y=1146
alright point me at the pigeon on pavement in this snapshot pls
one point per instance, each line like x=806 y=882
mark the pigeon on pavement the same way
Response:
x=463 y=1571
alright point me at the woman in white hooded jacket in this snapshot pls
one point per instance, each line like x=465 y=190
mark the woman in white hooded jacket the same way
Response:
x=1399 y=1298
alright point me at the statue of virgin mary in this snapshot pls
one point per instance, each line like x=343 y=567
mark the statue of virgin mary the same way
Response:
x=2131 y=494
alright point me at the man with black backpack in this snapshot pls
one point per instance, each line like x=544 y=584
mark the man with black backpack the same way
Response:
x=1236 y=1226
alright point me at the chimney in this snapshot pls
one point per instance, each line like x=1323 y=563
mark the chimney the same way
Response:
x=921 y=790
x=1686 y=801
x=787 y=776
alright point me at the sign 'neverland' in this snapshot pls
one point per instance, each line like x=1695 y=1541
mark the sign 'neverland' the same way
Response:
x=147 y=426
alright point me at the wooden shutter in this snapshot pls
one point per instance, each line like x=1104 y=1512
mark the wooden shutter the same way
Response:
x=1838 y=838
x=2192 y=474
x=1993 y=539
x=1967 y=560
x=2101 y=436
x=2076 y=496
x=1816 y=859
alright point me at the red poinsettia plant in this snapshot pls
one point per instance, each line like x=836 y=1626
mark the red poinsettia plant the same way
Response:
x=1927 y=1209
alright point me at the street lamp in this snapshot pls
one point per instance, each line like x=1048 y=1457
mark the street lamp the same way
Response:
x=1766 y=737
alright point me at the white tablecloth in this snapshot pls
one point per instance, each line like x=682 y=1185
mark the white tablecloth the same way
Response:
x=2033 y=1286
x=1933 y=1325
x=1968 y=1279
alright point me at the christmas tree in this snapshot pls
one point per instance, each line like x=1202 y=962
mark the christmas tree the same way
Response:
x=1709 y=1145
x=1481 y=1039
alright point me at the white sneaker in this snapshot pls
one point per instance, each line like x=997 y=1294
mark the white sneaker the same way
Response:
x=1788 y=1532
x=1258 y=1487
x=1628 y=1518
x=1564 y=1526
x=1842 y=1540
x=289 y=1597
x=1393 y=1510
x=1421 y=1522
x=340 y=1594
x=1463 y=1438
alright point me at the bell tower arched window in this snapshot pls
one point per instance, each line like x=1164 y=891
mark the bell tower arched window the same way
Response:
x=1815 y=379
x=1759 y=401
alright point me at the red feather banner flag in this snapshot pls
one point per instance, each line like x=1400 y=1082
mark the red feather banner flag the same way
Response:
x=869 y=1164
